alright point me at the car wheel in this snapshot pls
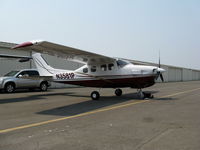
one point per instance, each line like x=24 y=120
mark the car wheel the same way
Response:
x=9 y=88
x=43 y=86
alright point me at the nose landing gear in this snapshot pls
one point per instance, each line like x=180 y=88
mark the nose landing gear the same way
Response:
x=143 y=95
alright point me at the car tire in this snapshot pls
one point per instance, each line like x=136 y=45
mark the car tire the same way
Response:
x=43 y=86
x=9 y=88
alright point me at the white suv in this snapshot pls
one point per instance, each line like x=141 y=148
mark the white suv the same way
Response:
x=20 y=80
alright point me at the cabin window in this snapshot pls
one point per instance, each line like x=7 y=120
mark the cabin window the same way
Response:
x=110 y=66
x=93 y=69
x=85 y=70
x=103 y=67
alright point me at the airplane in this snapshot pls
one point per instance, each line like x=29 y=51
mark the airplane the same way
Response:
x=98 y=71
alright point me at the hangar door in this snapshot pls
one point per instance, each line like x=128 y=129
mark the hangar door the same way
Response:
x=174 y=74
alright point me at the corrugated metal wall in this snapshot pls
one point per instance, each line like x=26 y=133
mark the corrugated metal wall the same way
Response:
x=8 y=65
x=174 y=74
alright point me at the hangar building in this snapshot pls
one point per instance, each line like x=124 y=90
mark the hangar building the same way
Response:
x=172 y=74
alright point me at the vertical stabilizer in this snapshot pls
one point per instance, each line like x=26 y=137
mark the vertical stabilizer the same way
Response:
x=42 y=66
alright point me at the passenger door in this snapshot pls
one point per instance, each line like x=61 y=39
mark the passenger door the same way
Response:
x=34 y=78
x=22 y=80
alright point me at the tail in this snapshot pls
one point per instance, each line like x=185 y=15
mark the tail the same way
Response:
x=43 y=68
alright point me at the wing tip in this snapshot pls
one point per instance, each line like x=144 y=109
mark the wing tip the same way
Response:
x=25 y=44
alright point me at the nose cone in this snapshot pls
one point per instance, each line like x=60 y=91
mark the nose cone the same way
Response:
x=161 y=70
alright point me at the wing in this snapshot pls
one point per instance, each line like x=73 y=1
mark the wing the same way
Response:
x=20 y=58
x=65 y=52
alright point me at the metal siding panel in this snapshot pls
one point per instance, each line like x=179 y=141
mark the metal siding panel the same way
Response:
x=172 y=74
x=8 y=65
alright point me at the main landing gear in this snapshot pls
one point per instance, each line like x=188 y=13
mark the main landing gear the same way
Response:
x=118 y=92
x=143 y=95
x=95 y=94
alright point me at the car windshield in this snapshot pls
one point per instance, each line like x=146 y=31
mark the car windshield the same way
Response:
x=11 y=74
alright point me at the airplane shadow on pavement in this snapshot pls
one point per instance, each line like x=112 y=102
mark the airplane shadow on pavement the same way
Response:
x=33 y=97
x=91 y=105
x=86 y=106
x=77 y=108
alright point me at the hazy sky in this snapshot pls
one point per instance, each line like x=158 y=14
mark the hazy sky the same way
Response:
x=133 y=29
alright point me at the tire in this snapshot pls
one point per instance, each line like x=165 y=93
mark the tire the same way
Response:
x=95 y=95
x=9 y=88
x=43 y=86
x=118 y=92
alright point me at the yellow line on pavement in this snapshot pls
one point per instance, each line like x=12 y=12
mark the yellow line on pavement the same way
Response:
x=70 y=117
x=88 y=113
x=179 y=93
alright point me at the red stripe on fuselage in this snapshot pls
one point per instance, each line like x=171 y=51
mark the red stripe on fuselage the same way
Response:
x=134 y=82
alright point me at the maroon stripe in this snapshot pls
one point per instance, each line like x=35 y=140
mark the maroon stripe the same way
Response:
x=139 y=82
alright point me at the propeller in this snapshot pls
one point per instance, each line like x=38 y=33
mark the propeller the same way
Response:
x=161 y=77
x=160 y=70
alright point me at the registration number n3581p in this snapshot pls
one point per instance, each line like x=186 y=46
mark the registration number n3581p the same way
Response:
x=65 y=76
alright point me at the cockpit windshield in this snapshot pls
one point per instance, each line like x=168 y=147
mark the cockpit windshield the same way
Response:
x=11 y=74
x=122 y=63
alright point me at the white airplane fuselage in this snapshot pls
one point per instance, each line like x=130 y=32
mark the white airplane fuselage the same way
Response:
x=113 y=75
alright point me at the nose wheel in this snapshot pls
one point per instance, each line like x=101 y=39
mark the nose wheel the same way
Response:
x=143 y=95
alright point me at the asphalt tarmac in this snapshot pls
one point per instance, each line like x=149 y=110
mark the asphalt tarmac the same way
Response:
x=67 y=119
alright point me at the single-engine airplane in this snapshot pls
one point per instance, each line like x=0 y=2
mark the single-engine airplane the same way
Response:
x=98 y=71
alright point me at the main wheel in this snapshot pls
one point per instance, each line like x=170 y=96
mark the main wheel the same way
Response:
x=95 y=95
x=9 y=88
x=118 y=92
x=43 y=86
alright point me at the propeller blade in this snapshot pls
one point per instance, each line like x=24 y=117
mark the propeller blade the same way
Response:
x=161 y=77
x=159 y=66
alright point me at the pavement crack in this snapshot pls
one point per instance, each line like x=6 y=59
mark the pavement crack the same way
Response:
x=155 y=137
